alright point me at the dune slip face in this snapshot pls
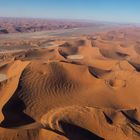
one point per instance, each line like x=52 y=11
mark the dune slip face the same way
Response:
x=84 y=87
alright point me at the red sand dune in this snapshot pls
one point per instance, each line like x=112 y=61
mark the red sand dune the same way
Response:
x=82 y=88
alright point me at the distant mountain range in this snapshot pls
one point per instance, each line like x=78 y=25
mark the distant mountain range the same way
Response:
x=14 y=25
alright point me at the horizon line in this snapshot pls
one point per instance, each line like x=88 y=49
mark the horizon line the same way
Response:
x=74 y=19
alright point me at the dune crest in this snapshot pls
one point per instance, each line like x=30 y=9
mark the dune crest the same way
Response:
x=71 y=88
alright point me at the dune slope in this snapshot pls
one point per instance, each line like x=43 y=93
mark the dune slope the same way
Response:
x=84 y=88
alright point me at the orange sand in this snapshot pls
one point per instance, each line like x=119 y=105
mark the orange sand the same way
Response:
x=83 y=88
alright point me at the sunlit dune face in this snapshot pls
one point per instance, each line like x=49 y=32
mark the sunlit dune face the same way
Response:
x=66 y=85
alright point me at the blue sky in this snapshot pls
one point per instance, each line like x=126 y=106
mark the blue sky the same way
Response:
x=100 y=10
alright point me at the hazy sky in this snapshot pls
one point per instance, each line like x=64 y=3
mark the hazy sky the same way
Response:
x=102 y=10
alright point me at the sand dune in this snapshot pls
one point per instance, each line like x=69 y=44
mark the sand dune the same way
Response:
x=82 y=88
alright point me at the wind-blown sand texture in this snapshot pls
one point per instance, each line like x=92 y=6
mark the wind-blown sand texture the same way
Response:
x=80 y=88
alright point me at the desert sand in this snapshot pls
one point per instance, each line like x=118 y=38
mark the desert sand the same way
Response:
x=71 y=88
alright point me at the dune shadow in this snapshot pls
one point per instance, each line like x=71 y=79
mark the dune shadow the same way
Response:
x=135 y=65
x=73 y=132
x=97 y=72
x=133 y=120
x=13 y=113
